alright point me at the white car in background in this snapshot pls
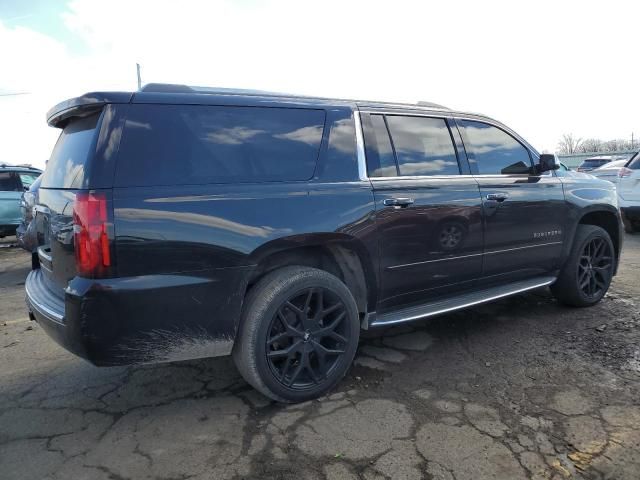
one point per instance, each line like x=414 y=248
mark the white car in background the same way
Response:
x=629 y=193
x=610 y=171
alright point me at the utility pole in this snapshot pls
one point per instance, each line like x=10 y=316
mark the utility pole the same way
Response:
x=631 y=140
x=139 y=81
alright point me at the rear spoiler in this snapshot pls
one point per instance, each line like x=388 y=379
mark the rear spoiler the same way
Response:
x=84 y=105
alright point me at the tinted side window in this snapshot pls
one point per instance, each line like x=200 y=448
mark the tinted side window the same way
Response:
x=634 y=163
x=9 y=182
x=380 y=159
x=195 y=144
x=423 y=146
x=494 y=151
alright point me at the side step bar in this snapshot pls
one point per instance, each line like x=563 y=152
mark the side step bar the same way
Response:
x=458 y=302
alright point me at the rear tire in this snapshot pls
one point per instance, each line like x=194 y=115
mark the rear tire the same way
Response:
x=298 y=334
x=587 y=273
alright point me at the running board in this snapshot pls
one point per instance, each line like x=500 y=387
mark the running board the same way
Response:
x=456 y=303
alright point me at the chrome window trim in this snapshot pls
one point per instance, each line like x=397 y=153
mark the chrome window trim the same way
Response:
x=360 y=152
x=448 y=177
x=461 y=116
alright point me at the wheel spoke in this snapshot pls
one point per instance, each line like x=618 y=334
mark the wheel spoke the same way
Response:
x=278 y=337
x=332 y=309
x=314 y=375
x=285 y=351
x=327 y=351
x=295 y=374
x=286 y=366
x=332 y=326
x=292 y=330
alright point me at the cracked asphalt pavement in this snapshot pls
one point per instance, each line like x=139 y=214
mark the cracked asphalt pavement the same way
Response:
x=521 y=388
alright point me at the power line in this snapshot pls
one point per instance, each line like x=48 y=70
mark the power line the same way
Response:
x=14 y=94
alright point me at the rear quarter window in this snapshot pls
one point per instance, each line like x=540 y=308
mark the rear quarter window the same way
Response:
x=198 y=144
x=67 y=167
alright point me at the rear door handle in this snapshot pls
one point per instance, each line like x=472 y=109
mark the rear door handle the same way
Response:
x=398 y=202
x=498 y=197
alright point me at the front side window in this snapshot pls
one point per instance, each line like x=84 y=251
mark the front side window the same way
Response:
x=492 y=151
x=196 y=144
x=423 y=146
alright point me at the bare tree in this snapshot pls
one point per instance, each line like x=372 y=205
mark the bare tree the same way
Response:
x=590 y=145
x=569 y=143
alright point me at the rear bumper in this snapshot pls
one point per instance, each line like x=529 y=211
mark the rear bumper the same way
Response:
x=146 y=319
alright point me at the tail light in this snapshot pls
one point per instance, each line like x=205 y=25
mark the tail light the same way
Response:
x=624 y=172
x=91 y=241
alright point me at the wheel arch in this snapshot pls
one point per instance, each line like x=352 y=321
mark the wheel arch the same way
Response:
x=606 y=217
x=341 y=255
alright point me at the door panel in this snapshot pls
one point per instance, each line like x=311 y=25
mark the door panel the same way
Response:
x=432 y=247
x=524 y=232
x=524 y=214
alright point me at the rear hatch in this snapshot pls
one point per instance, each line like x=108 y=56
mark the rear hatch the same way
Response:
x=629 y=183
x=65 y=207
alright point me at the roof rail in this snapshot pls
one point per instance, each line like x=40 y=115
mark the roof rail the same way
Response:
x=177 y=88
x=422 y=103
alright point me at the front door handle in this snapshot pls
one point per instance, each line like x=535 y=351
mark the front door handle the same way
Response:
x=398 y=202
x=498 y=197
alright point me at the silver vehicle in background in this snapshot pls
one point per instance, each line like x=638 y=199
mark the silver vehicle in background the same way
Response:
x=610 y=171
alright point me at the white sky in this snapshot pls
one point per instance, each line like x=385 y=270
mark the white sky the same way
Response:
x=543 y=67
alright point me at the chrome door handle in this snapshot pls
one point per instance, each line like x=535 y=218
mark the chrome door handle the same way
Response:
x=398 y=202
x=498 y=197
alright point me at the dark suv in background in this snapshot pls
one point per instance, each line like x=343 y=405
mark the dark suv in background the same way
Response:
x=179 y=223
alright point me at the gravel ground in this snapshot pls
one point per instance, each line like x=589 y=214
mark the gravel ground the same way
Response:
x=522 y=388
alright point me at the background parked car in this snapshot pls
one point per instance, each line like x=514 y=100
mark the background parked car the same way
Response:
x=26 y=231
x=609 y=171
x=14 y=180
x=629 y=193
x=593 y=163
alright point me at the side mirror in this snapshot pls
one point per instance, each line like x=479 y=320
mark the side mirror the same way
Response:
x=547 y=162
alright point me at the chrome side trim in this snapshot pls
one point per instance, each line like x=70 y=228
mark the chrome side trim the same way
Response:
x=427 y=310
x=473 y=255
x=434 y=261
x=362 y=159
x=523 y=248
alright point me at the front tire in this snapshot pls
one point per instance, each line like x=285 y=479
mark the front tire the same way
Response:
x=587 y=273
x=298 y=335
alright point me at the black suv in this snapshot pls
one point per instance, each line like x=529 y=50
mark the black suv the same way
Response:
x=178 y=222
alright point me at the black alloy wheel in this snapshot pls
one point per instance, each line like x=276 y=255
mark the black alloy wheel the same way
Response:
x=298 y=334
x=587 y=272
x=595 y=267
x=307 y=336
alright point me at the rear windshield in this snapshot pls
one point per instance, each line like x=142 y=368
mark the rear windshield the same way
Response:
x=67 y=165
x=199 y=144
